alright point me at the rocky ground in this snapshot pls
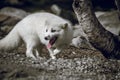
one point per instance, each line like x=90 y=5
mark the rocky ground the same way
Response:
x=71 y=64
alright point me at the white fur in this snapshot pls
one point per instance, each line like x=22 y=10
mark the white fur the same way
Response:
x=32 y=31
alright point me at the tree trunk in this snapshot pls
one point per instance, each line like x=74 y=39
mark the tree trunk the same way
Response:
x=118 y=7
x=98 y=36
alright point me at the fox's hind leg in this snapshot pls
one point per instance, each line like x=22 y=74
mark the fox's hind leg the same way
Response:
x=30 y=45
x=38 y=50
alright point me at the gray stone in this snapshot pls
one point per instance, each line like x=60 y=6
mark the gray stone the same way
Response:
x=110 y=21
x=10 y=16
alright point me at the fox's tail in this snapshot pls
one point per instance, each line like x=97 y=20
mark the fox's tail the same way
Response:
x=11 y=41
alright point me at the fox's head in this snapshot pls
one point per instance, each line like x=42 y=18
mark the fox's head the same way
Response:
x=54 y=33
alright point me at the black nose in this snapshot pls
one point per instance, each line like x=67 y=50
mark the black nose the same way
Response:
x=46 y=38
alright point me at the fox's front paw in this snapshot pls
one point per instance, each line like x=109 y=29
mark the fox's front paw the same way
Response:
x=56 y=51
x=53 y=57
x=31 y=56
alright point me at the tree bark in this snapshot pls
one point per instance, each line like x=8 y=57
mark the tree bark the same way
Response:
x=118 y=7
x=98 y=36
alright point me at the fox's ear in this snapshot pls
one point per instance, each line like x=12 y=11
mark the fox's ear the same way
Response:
x=64 y=26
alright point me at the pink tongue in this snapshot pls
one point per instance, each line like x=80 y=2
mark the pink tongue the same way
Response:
x=49 y=45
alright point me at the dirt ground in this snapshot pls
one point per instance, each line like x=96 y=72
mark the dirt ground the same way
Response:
x=71 y=64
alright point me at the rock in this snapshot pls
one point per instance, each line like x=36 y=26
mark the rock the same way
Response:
x=109 y=20
x=80 y=42
x=10 y=16
x=14 y=12
x=8 y=20
x=76 y=41
x=78 y=31
x=80 y=38
x=56 y=9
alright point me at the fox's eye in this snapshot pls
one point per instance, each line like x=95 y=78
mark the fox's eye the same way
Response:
x=53 y=30
x=46 y=30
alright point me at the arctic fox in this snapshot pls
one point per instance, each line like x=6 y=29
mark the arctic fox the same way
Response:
x=39 y=29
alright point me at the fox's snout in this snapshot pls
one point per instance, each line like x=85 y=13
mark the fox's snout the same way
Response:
x=47 y=37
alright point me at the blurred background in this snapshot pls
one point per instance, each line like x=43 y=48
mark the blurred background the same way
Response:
x=12 y=11
x=59 y=7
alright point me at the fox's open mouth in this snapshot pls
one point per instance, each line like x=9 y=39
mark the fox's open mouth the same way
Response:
x=52 y=41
